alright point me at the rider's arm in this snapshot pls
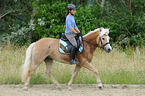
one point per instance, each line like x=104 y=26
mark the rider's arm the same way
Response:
x=77 y=29
x=72 y=30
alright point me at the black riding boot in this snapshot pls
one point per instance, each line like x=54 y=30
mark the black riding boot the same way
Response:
x=72 y=56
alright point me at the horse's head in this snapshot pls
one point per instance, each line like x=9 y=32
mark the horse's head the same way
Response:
x=103 y=39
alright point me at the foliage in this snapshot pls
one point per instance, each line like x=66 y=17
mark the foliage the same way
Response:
x=14 y=13
x=20 y=36
x=14 y=19
x=53 y=25
x=86 y=18
x=125 y=18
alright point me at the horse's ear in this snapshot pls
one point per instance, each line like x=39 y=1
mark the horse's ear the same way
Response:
x=100 y=29
x=108 y=30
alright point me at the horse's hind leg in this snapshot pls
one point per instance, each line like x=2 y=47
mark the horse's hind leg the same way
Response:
x=49 y=62
x=31 y=71
x=77 y=69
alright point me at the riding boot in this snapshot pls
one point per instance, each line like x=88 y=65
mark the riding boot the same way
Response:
x=72 y=56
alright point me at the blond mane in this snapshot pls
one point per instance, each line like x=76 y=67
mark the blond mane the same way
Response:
x=92 y=32
x=103 y=31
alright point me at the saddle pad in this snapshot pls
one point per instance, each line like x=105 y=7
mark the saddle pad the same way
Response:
x=63 y=47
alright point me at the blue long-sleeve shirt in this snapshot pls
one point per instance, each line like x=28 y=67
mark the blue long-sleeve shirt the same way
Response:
x=70 y=22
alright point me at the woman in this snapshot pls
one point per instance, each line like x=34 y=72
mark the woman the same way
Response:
x=71 y=30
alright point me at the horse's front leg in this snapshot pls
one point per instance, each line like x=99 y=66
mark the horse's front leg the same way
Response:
x=77 y=69
x=91 y=68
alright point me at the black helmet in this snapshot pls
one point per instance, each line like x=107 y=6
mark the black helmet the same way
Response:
x=71 y=6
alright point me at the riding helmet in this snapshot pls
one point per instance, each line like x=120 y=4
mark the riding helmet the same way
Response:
x=71 y=6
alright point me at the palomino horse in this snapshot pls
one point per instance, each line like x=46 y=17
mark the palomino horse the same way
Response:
x=46 y=50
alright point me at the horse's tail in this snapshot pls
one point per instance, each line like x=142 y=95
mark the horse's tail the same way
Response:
x=27 y=63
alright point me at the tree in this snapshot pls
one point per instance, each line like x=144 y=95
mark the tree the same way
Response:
x=126 y=19
x=14 y=15
x=13 y=12
x=46 y=18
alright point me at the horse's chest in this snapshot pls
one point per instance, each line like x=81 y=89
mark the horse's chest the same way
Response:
x=87 y=57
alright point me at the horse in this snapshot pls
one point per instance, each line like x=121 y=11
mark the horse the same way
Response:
x=46 y=49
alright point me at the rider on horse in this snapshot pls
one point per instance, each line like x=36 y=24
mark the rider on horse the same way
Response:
x=71 y=30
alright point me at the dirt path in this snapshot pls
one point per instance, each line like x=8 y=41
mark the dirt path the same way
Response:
x=78 y=90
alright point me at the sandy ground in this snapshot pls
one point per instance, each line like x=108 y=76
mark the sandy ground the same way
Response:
x=77 y=90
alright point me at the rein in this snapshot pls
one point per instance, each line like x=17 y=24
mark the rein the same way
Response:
x=95 y=45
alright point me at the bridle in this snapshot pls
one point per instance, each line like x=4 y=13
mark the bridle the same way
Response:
x=102 y=43
x=102 y=46
x=95 y=45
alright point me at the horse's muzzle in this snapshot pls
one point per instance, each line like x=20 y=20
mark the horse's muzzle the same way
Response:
x=108 y=48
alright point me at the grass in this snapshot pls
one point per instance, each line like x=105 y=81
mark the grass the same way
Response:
x=117 y=67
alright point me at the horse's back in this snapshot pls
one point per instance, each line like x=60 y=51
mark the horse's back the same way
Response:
x=45 y=47
x=47 y=41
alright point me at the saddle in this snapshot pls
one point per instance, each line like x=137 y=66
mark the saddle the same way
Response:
x=65 y=46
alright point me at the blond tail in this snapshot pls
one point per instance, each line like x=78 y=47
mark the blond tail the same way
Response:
x=27 y=63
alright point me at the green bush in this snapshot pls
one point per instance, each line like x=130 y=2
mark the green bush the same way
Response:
x=19 y=36
x=125 y=19
x=54 y=17
x=87 y=18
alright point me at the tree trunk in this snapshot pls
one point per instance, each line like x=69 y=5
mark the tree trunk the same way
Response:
x=102 y=4
x=2 y=8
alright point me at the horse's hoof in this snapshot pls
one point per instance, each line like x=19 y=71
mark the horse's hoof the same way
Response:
x=69 y=88
x=58 y=87
x=25 y=88
x=100 y=87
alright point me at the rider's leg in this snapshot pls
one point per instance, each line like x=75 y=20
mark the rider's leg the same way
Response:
x=72 y=40
x=73 y=56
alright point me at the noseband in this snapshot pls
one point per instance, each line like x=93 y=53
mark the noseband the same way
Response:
x=102 y=46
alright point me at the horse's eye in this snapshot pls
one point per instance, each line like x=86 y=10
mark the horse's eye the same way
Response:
x=103 y=38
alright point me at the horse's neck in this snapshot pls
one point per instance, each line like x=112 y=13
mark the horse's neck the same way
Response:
x=92 y=38
x=90 y=48
x=91 y=45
